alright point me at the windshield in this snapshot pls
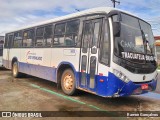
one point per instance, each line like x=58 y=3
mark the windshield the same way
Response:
x=136 y=41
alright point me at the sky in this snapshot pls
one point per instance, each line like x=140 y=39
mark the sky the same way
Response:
x=19 y=13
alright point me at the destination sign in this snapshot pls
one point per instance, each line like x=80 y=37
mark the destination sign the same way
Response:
x=136 y=56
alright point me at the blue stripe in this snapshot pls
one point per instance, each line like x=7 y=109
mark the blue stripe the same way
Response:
x=111 y=85
x=48 y=73
x=151 y=95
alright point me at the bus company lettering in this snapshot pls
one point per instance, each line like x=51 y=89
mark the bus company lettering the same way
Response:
x=136 y=56
x=33 y=56
x=127 y=44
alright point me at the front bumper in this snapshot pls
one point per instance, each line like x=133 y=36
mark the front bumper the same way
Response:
x=117 y=88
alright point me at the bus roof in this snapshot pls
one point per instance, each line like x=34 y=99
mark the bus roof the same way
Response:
x=77 y=14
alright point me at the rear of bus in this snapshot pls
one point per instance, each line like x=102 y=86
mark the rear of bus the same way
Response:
x=1 y=49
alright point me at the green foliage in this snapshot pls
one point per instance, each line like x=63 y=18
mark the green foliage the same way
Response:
x=158 y=67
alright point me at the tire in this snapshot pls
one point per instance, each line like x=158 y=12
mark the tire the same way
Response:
x=15 y=70
x=68 y=82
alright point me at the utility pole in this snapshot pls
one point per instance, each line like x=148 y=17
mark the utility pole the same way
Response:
x=77 y=10
x=114 y=2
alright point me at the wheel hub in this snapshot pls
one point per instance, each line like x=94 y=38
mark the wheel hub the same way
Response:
x=68 y=82
x=14 y=69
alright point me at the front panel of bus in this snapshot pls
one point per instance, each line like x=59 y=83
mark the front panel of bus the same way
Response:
x=133 y=65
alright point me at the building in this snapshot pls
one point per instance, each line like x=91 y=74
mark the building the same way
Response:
x=1 y=38
x=157 y=43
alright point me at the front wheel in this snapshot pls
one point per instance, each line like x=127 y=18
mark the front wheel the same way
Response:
x=15 y=70
x=68 y=82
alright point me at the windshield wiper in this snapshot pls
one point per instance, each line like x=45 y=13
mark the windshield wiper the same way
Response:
x=144 y=41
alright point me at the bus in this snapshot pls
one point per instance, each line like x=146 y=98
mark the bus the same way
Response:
x=1 y=49
x=104 y=51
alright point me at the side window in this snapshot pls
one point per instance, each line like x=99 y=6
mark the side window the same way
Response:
x=6 y=41
x=17 y=42
x=95 y=37
x=59 y=34
x=60 y=29
x=1 y=45
x=72 y=28
x=66 y=34
x=39 y=37
x=87 y=36
x=10 y=40
x=104 y=58
x=96 y=34
x=1 y=49
x=48 y=35
x=28 y=36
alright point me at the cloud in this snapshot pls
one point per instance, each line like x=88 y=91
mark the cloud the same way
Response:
x=18 y=13
x=145 y=9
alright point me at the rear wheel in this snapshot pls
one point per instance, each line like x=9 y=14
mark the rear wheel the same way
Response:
x=68 y=82
x=15 y=70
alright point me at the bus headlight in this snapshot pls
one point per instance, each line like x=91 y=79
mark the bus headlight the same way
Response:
x=121 y=76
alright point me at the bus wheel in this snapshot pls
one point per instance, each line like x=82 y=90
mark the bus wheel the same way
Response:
x=68 y=82
x=15 y=70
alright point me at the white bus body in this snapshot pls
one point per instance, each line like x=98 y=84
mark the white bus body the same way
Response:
x=87 y=50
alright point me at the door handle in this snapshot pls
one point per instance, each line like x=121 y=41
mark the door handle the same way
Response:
x=94 y=50
x=94 y=47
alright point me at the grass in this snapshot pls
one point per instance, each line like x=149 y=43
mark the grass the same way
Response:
x=158 y=67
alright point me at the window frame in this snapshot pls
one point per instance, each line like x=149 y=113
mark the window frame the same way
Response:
x=88 y=16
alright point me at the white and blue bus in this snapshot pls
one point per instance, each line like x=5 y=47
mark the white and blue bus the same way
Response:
x=1 y=49
x=104 y=51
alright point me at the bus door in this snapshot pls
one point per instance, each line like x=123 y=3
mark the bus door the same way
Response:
x=89 y=54
x=9 y=44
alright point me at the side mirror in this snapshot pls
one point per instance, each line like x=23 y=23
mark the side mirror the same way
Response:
x=116 y=29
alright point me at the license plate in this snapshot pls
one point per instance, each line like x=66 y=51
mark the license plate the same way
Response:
x=144 y=86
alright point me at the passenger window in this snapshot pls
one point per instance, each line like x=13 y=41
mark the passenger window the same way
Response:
x=39 y=37
x=59 y=41
x=72 y=27
x=72 y=33
x=59 y=35
x=10 y=40
x=95 y=37
x=70 y=40
x=66 y=37
x=87 y=36
x=17 y=42
x=105 y=45
x=28 y=36
x=96 y=34
x=60 y=29
x=48 y=35
x=6 y=41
